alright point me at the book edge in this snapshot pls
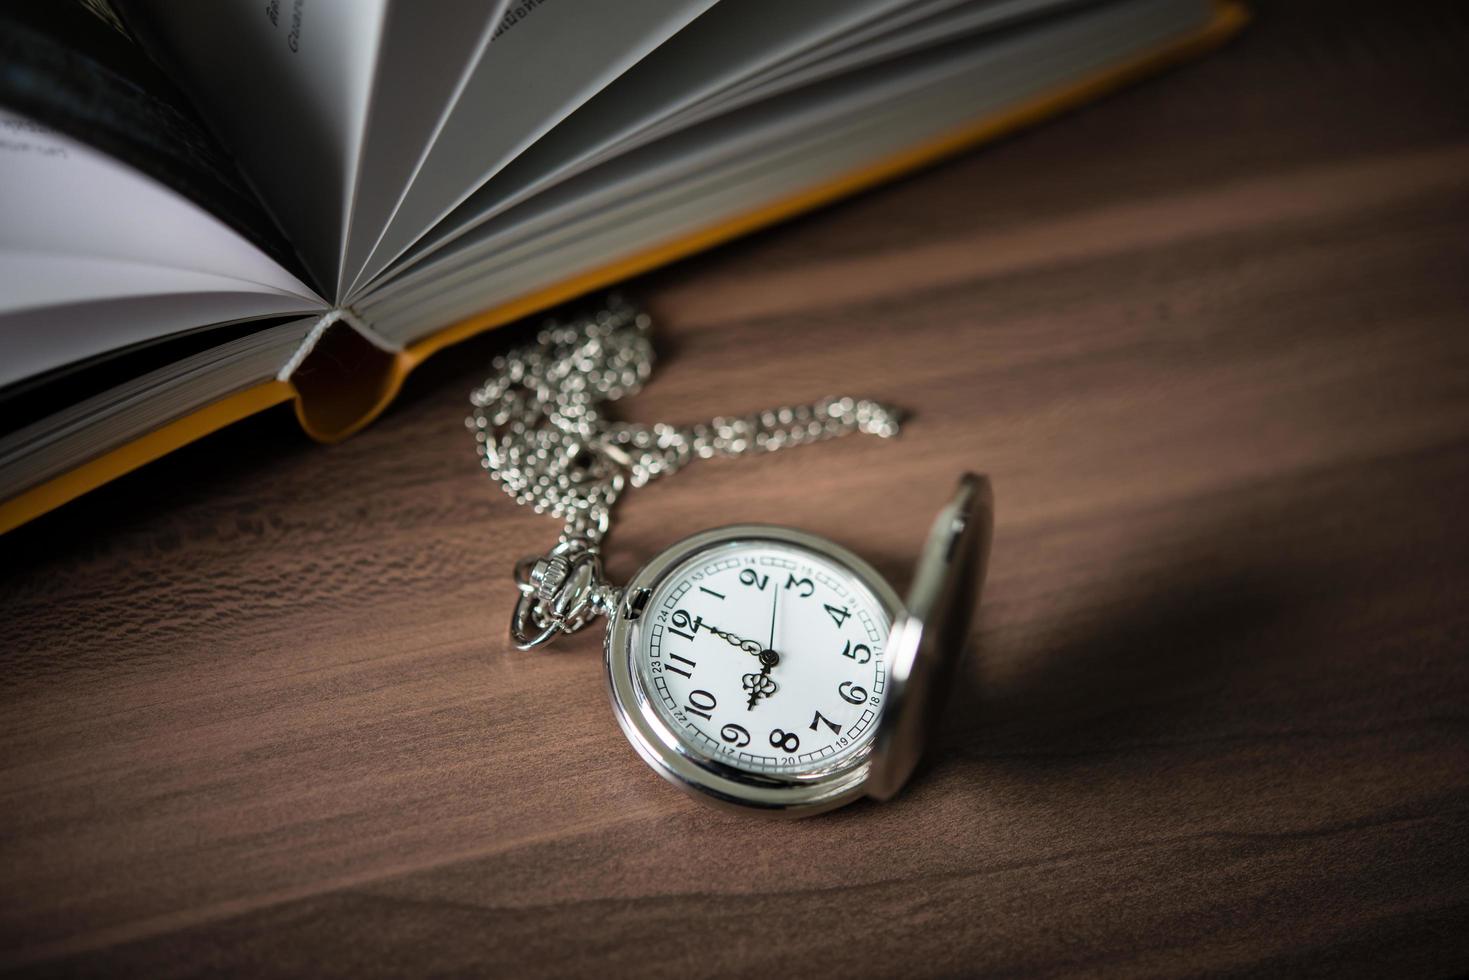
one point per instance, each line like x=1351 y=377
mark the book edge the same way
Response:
x=32 y=503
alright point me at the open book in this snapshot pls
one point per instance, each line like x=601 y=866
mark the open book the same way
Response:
x=209 y=208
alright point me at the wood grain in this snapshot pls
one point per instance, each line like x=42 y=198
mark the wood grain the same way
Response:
x=1210 y=338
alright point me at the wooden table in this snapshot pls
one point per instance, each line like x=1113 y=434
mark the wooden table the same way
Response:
x=1211 y=340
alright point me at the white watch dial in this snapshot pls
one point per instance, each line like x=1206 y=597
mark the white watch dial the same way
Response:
x=765 y=656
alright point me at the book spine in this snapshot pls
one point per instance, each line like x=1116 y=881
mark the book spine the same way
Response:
x=344 y=373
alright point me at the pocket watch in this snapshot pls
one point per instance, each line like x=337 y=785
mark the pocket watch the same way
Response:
x=758 y=667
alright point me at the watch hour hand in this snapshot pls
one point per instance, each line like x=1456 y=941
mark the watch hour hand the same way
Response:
x=759 y=685
x=749 y=646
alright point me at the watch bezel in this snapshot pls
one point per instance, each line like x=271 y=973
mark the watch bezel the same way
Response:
x=672 y=757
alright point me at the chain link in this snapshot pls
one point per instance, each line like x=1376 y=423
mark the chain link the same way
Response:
x=542 y=433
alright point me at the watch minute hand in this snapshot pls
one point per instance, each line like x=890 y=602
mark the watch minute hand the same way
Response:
x=774 y=602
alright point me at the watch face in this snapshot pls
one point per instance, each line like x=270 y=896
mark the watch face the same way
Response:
x=763 y=653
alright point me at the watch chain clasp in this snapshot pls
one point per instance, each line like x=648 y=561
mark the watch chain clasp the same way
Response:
x=560 y=592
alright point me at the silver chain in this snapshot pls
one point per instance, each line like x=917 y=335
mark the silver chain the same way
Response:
x=541 y=432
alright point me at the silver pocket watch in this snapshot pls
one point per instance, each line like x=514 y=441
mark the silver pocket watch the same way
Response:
x=758 y=667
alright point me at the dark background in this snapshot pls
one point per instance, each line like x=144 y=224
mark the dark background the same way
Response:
x=1209 y=338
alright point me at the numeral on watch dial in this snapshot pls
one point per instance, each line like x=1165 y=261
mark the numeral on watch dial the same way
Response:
x=785 y=741
x=701 y=703
x=804 y=586
x=750 y=577
x=835 y=728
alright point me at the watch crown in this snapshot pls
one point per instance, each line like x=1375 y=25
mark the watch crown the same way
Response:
x=548 y=575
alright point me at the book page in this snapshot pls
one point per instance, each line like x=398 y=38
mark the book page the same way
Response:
x=922 y=25
x=150 y=304
x=74 y=68
x=285 y=85
x=728 y=43
x=77 y=227
x=547 y=57
x=428 y=52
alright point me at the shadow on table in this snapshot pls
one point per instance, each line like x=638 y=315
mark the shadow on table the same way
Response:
x=1180 y=645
